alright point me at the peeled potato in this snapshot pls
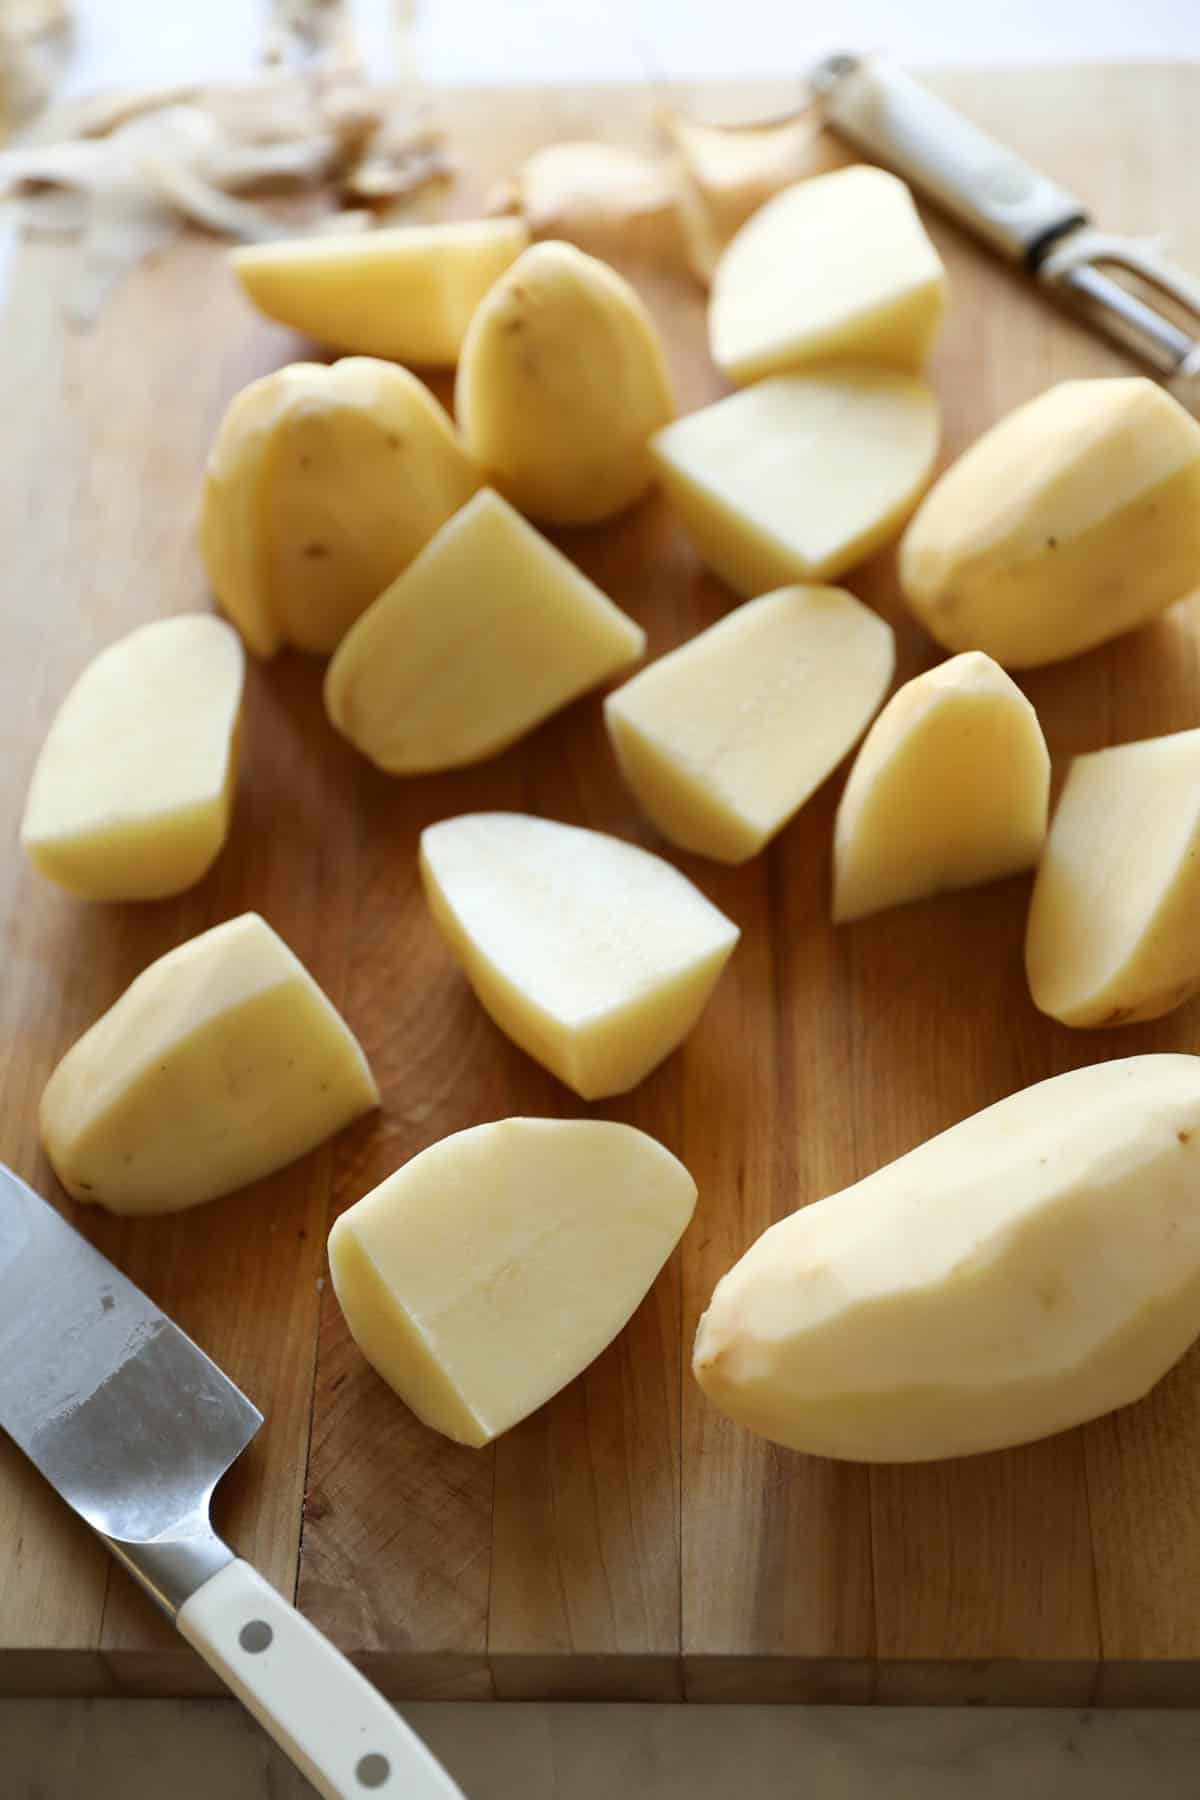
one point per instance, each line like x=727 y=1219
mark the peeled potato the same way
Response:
x=1113 y=935
x=950 y=789
x=1034 y=1266
x=484 y=635
x=560 y=384
x=221 y=1062
x=495 y=1266
x=322 y=485
x=1070 y=521
x=594 y=956
x=406 y=292
x=723 y=740
x=802 y=476
x=836 y=266
x=132 y=791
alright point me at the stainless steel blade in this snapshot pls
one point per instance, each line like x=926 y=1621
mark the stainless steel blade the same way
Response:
x=122 y=1413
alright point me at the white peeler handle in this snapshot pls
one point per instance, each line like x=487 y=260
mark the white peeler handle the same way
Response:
x=902 y=125
x=322 y=1713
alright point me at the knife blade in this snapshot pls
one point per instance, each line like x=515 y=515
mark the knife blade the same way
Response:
x=134 y=1425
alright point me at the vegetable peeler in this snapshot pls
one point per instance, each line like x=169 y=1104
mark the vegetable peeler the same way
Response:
x=1124 y=287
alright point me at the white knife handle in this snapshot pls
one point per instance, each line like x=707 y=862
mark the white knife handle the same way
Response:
x=901 y=124
x=321 y=1712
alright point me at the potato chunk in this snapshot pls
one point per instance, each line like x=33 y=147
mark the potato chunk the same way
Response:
x=407 y=292
x=495 y=1266
x=322 y=485
x=1034 y=1266
x=484 y=635
x=594 y=956
x=1113 y=934
x=561 y=382
x=950 y=789
x=1070 y=521
x=132 y=791
x=221 y=1062
x=836 y=266
x=802 y=476
x=723 y=740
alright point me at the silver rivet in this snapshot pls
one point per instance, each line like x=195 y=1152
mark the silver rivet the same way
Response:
x=372 y=1770
x=256 y=1636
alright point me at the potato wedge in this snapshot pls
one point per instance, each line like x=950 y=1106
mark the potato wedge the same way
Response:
x=560 y=384
x=950 y=789
x=133 y=788
x=1034 y=1266
x=221 y=1062
x=724 y=740
x=594 y=956
x=485 y=634
x=495 y=1266
x=1112 y=936
x=322 y=485
x=800 y=477
x=837 y=266
x=407 y=292
x=1072 y=520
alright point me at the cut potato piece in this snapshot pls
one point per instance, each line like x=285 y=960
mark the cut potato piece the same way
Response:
x=802 y=476
x=1033 y=1267
x=1072 y=520
x=950 y=789
x=836 y=266
x=489 y=631
x=222 y=1061
x=594 y=956
x=132 y=791
x=1113 y=934
x=560 y=384
x=407 y=292
x=322 y=485
x=608 y=199
x=723 y=740
x=495 y=1266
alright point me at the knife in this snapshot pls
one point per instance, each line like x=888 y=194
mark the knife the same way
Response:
x=134 y=1426
x=1022 y=214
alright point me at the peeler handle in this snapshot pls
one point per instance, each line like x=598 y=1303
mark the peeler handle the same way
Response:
x=895 y=120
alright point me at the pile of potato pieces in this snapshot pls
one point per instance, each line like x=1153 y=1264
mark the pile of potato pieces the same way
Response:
x=345 y=514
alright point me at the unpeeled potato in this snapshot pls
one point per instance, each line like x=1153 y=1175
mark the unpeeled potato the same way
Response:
x=322 y=485
x=560 y=383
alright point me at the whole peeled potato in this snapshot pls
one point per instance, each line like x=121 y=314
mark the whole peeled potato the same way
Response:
x=561 y=382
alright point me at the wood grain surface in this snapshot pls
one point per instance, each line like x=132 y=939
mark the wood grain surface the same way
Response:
x=626 y=1541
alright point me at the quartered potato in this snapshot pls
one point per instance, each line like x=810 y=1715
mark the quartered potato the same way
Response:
x=728 y=736
x=837 y=266
x=132 y=791
x=488 y=631
x=495 y=1266
x=407 y=292
x=322 y=485
x=949 y=789
x=221 y=1062
x=594 y=956
x=560 y=384
x=802 y=476
x=1114 y=924
x=1034 y=1266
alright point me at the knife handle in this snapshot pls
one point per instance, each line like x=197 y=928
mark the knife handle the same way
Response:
x=336 y=1728
x=901 y=124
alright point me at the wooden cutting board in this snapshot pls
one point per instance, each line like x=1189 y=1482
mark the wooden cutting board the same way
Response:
x=626 y=1542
